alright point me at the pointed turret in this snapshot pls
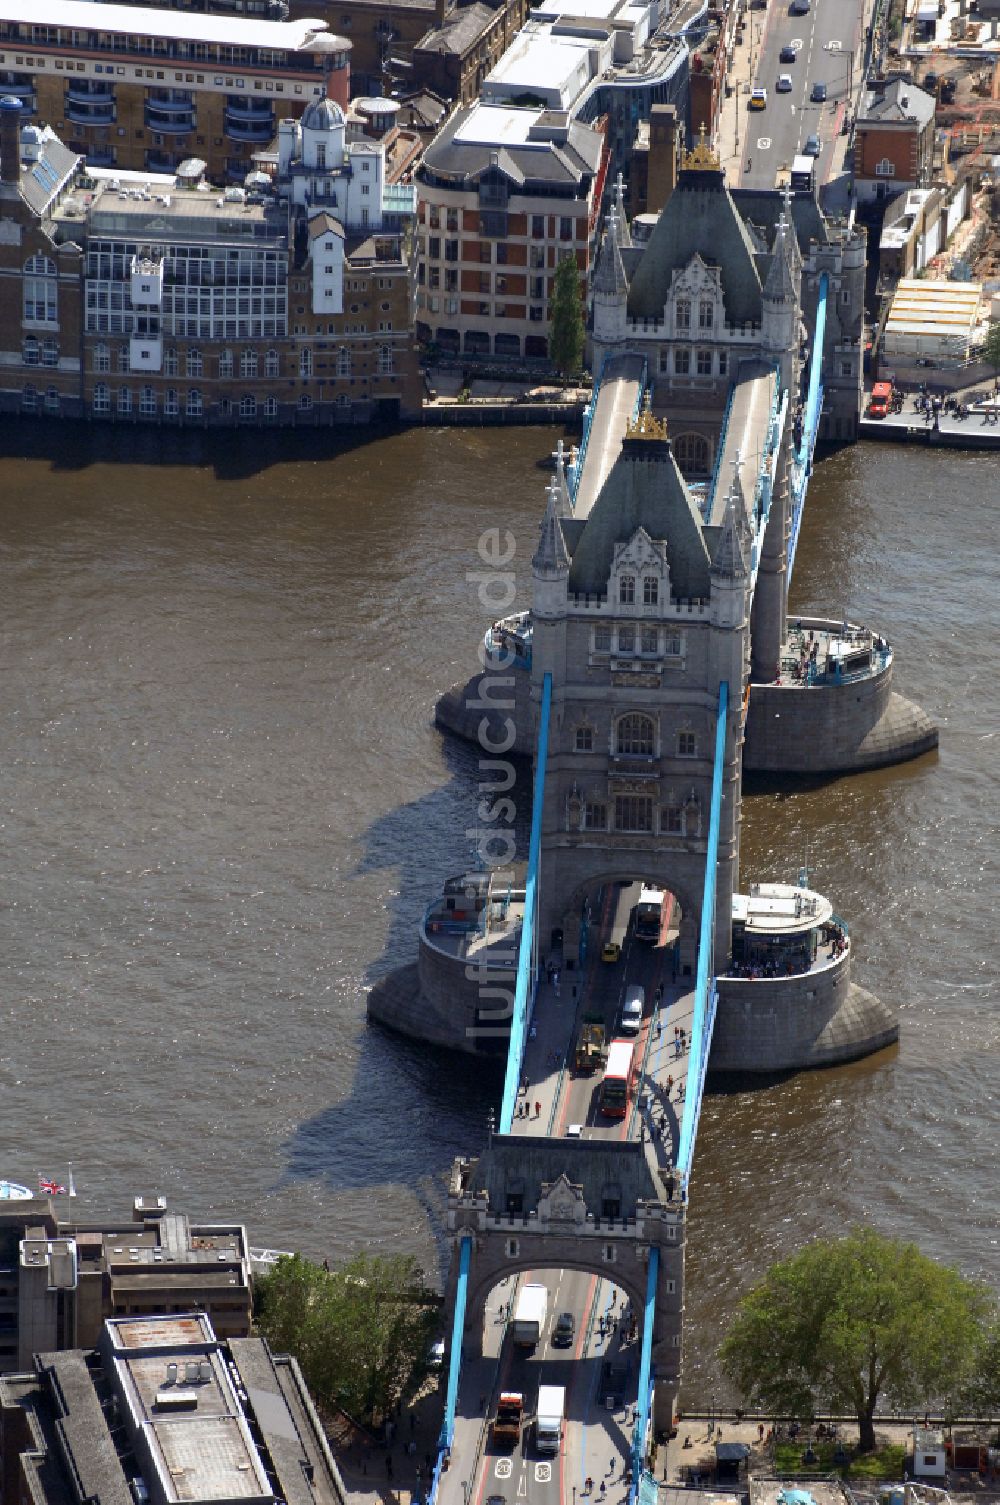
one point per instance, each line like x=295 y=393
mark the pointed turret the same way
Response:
x=609 y=275
x=624 y=233
x=551 y=557
x=780 y=284
x=610 y=290
x=730 y=559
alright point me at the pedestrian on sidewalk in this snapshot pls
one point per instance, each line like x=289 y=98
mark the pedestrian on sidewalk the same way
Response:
x=538 y=1110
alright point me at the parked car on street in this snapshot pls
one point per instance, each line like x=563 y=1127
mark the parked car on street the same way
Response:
x=811 y=146
x=757 y=100
x=818 y=95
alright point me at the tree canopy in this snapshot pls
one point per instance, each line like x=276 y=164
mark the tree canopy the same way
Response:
x=846 y=1323
x=566 y=318
x=361 y=1333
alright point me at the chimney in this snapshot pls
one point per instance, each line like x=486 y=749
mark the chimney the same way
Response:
x=10 y=139
x=663 y=150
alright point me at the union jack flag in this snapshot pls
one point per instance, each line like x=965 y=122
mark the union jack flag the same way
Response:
x=50 y=1188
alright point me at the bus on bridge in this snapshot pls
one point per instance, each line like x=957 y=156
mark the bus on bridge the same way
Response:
x=617 y=1079
x=649 y=914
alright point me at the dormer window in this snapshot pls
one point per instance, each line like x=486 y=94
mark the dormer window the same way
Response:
x=650 y=590
x=626 y=590
x=682 y=314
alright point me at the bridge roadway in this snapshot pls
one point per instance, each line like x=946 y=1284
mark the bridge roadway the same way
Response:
x=745 y=436
x=618 y=396
x=598 y=1361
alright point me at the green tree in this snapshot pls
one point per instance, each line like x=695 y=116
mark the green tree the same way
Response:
x=846 y=1323
x=991 y=347
x=566 y=318
x=981 y=1395
x=361 y=1333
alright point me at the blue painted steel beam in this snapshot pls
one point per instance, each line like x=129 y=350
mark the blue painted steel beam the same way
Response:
x=645 y=1368
x=457 y=1331
x=700 y=1032
x=811 y=419
x=519 y=1018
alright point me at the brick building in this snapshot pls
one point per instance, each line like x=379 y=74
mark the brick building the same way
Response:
x=893 y=140
x=455 y=55
x=505 y=194
x=162 y=299
x=142 y=88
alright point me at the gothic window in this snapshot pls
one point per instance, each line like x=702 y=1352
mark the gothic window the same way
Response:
x=691 y=454
x=305 y=403
x=248 y=406
x=664 y=362
x=170 y=363
x=608 y=1254
x=687 y=745
x=271 y=363
x=147 y=402
x=102 y=398
x=248 y=363
x=270 y=407
x=226 y=363
x=513 y=1249
x=584 y=741
x=704 y=363
x=195 y=404
x=595 y=816
x=602 y=639
x=723 y=362
x=671 y=821
x=102 y=358
x=626 y=590
x=123 y=358
x=40 y=290
x=650 y=590
x=682 y=315
x=30 y=351
x=343 y=361
x=636 y=734
x=171 y=405
x=706 y=314
x=885 y=168
x=626 y=640
x=649 y=641
x=682 y=362
x=124 y=400
x=195 y=363
x=383 y=360
x=692 y=816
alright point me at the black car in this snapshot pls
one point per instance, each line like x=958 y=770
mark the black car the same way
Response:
x=564 y=1330
x=818 y=94
x=788 y=54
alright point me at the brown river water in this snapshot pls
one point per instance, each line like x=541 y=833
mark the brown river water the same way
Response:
x=224 y=807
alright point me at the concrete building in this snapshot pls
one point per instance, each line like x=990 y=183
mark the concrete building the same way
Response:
x=917 y=226
x=141 y=88
x=893 y=140
x=163 y=1411
x=61 y=1277
x=161 y=299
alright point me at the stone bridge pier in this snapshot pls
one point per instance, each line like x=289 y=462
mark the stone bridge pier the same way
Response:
x=598 y=1206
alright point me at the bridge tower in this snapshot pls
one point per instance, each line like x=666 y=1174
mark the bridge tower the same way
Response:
x=640 y=610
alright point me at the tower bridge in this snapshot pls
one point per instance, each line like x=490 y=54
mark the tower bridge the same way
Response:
x=659 y=615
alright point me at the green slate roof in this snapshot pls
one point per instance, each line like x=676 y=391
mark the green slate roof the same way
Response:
x=699 y=219
x=644 y=489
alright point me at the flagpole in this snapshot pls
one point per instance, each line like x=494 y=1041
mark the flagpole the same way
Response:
x=72 y=1184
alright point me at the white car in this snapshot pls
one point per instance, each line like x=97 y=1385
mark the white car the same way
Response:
x=757 y=100
x=784 y=84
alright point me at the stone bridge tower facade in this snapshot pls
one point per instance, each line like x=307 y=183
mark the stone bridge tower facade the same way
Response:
x=640 y=611
x=597 y=1206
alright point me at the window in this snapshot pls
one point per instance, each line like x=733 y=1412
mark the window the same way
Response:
x=226 y=363
x=671 y=820
x=566 y=226
x=30 y=352
x=40 y=290
x=706 y=315
x=595 y=816
x=682 y=314
x=248 y=364
x=320 y=154
x=343 y=362
x=102 y=398
x=633 y=812
x=649 y=640
x=270 y=407
x=123 y=358
x=635 y=735
x=195 y=405
x=691 y=454
x=704 y=362
x=584 y=741
x=305 y=364
x=102 y=358
x=650 y=590
x=50 y=353
x=682 y=362
x=147 y=402
x=723 y=362
x=383 y=360
x=305 y=403
x=672 y=647
x=687 y=745
x=271 y=363
x=451 y=250
x=194 y=363
x=538 y=227
x=513 y=1249
x=124 y=400
x=171 y=406
x=248 y=405
x=451 y=219
x=626 y=590
x=602 y=639
x=885 y=168
x=846 y=368
x=626 y=640
x=29 y=400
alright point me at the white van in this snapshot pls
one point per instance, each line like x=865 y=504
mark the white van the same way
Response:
x=633 y=1009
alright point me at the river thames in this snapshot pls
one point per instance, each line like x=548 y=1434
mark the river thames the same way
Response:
x=224 y=807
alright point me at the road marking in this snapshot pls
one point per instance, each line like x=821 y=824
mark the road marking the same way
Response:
x=796 y=42
x=522 y=1486
x=832 y=46
x=543 y=1473
x=502 y=1469
x=763 y=143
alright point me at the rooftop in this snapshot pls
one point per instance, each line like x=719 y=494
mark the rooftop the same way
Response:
x=134 y=20
x=150 y=206
x=780 y=909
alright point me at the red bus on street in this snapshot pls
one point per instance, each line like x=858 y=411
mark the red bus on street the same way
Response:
x=617 y=1079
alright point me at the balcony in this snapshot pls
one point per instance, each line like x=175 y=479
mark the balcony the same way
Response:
x=80 y=92
x=634 y=766
x=250 y=109
x=90 y=114
x=162 y=127
x=260 y=134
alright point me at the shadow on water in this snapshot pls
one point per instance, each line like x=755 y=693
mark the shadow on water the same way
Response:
x=230 y=454
x=444 y=1095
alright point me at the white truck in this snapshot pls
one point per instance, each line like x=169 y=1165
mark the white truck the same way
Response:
x=549 y=1418
x=529 y=1315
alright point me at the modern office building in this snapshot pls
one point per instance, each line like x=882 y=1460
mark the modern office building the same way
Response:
x=140 y=89
x=143 y=297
